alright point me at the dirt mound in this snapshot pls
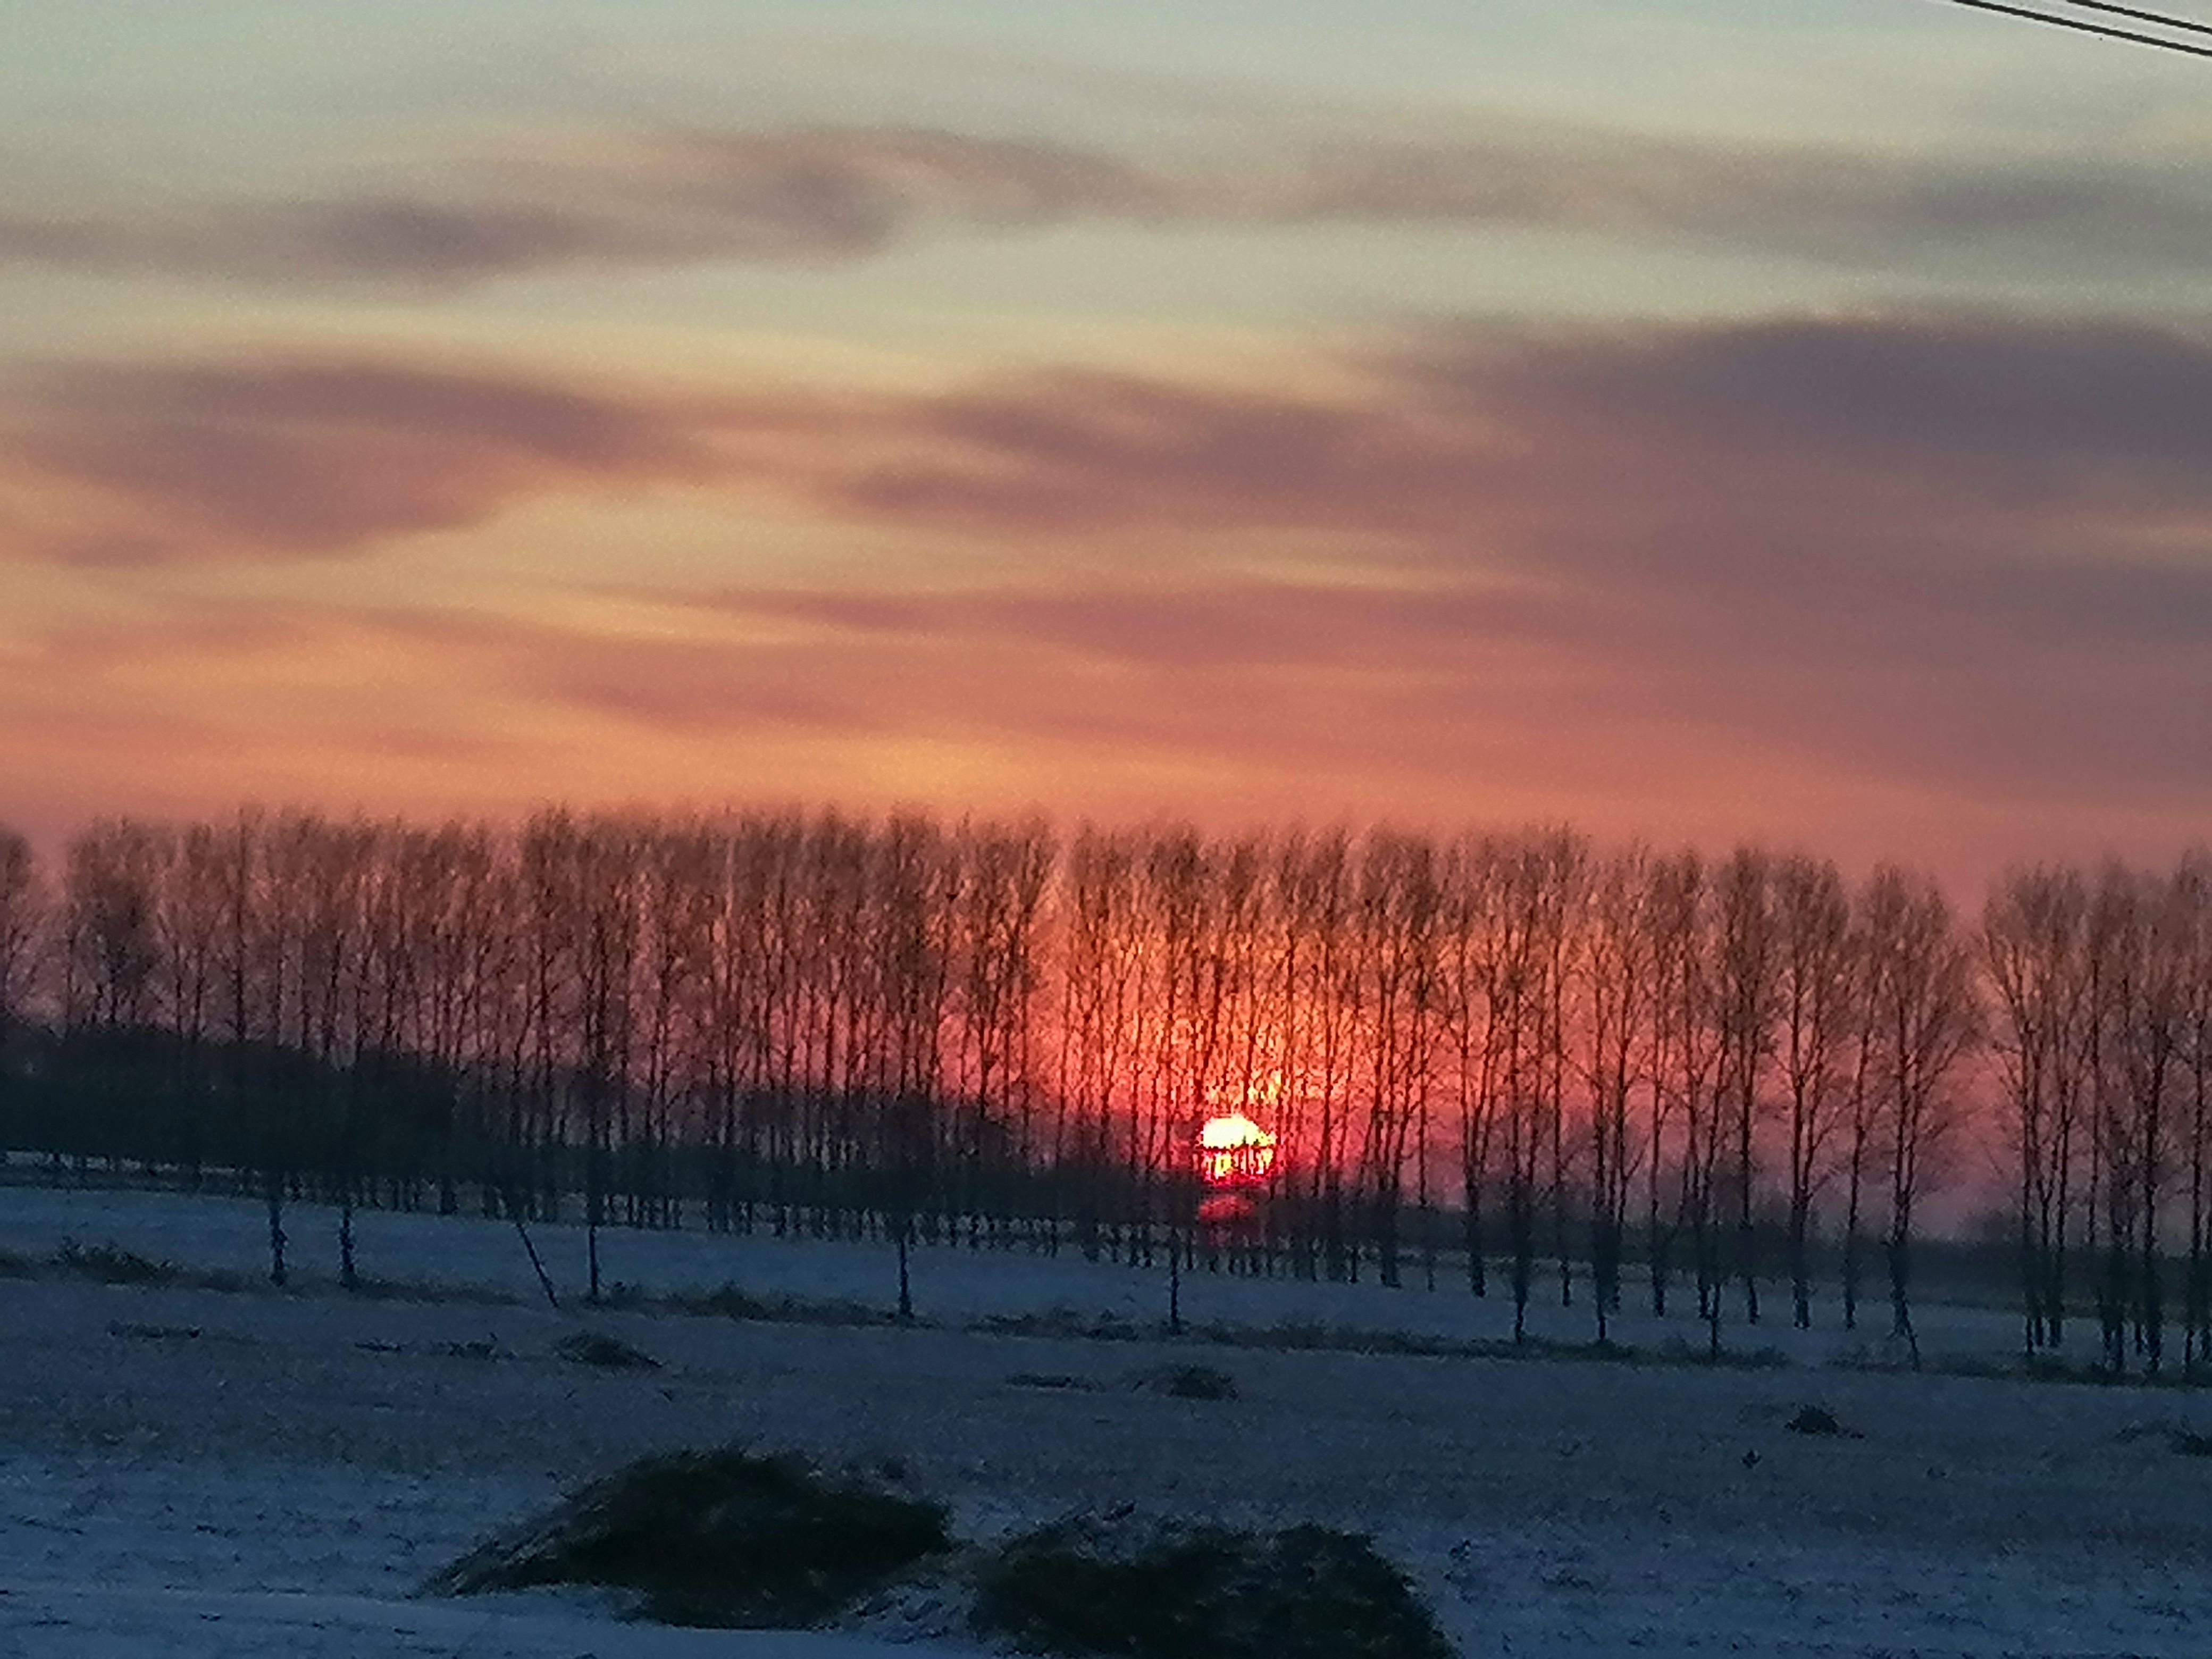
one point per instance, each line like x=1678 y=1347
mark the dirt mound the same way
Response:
x=1153 y=1588
x=726 y=1538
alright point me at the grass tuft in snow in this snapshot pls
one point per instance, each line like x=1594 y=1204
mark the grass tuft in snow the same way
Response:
x=729 y=1301
x=1058 y=1321
x=1189 y=1381
x=1820 y=1421
x=724 y=1538
x=2030 y=1368
x=607 y=1354
x=369 y=1288
x=1120 y=1583
x=111 y=1264
x=138 y=1332
x=1674 y=1351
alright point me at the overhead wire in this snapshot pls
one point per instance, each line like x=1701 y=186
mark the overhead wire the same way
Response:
x=2105 y=31
x=2186 y=25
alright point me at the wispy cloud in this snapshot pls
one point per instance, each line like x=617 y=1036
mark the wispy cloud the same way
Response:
x=1841 y=461
x=1973 y=463
x=1965 y=552
x=834 y=194
x=148 y=463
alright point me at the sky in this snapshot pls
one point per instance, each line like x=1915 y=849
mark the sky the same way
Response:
x=1702 y=419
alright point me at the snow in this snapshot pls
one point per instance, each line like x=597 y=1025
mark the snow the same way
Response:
x=97 y=1622
x=190 y=1472
x=953 y=1284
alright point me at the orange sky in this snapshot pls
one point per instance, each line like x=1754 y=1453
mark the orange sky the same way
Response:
x=1698 y=424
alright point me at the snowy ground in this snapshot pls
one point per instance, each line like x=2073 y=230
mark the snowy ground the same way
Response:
x=952 y=1284
x=191 y=1471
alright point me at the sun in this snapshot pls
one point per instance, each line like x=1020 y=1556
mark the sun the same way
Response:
x=1234 y=1151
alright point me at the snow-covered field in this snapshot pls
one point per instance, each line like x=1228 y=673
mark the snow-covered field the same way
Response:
x=953 y=1284
x=185 y=1471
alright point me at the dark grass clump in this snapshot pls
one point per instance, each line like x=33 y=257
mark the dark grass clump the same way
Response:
x=111 y=1264
x=1058 y=1321
x=605 y=1352
x=726 y=1538
x=370 y=1288
x=1674 y=1351
x=728 y=1301
x=1818 y=1420
x=2189 y=1444
x=153 y=1333
x=1117 y=1584
x=1189 y=1382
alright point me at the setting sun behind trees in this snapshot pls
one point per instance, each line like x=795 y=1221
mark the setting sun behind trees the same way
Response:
x=1485 y=1051
x=1234 y=1151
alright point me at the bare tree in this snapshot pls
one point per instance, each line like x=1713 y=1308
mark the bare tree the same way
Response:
x=1617 y=981
x=1746 y=972
x=1922 y=998
x=1099 y=975
x=114 y=876
x=997 y=913
x=1470 y=1006
x=356 y=962
x=254 y=945
x=189 y=916
x=552 y=1019
x=1399 y=906
x=112 y=957
x=1685 y=1052
x=1569 y=855
x=914 y=927
x=607 y=875
x=1324 y=961
x=1812 y=921
x=2114 y=1181
x=2151 y=991
x=1527 y=984
x=2034 y=951
x=2192 y=894
x=23 y=923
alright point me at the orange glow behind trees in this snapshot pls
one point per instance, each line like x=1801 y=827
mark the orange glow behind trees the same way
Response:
x=1506 y=1044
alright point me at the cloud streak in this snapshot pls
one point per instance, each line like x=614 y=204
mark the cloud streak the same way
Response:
x=1898 y=553
x=1974 y=459
x=285 y=460
x=826 y=195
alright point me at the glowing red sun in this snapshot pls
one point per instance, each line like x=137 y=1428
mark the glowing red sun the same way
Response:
x=1234 y=1151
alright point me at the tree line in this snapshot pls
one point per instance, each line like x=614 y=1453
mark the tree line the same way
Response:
x=1512 y=1056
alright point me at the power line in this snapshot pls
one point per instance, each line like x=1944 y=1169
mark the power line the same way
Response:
x=2105 y=31
x=2187 y=24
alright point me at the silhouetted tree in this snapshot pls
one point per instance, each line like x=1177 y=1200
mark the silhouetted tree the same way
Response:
x=1921 y=997
x=2034 y=947
x=1815 y=972
x=23 y=924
